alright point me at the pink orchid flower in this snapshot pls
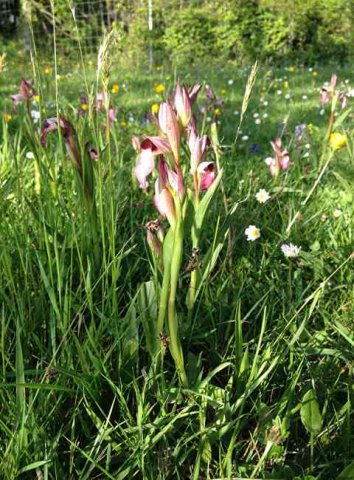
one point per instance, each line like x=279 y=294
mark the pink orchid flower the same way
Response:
x=198 y=146
x=175 y=179
x=101 y=98
x=163 y=199
x=169 y=126
x=207 y=174
x=112 y=112
x=183 y=105
x=330 y=89
x=281 y=161
x=147 y=149
x=26 y=93
x=93 y=152
x=324 y=96
x=193 y=92
x=68 y=133
x=343 y=99
x=333 y=82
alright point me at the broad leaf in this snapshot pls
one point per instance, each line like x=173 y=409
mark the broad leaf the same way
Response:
x=310 y=413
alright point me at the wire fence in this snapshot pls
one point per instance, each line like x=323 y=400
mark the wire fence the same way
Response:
x=88 y=18
x=9 y=15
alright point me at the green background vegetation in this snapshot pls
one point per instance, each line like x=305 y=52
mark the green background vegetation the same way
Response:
x=191 y=31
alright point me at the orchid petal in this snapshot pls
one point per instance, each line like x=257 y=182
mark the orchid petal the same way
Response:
x=144 y=167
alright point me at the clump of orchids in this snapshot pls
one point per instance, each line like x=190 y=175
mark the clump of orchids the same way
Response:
x=185 y=184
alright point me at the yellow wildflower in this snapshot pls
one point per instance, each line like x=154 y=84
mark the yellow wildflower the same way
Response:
x=115 y=88
x=286 y=84
x=155 y=108
x=159 y=89
x=47 y=71
x=337 y=140
x=7 y=117
x=223 y=91
x=37 y=98
x=315 y=74
x=217 y=111
x=84 y=106
x=123 y=124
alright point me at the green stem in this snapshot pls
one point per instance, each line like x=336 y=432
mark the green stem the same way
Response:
x=175 y=343
x=164 y=297
x=262 y=459
x=192 y=290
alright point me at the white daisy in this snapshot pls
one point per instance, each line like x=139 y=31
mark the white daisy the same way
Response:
x=262 y=196
x=290 y=250
x=252 y=233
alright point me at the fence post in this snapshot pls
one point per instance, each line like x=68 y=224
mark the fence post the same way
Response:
x=151 y=26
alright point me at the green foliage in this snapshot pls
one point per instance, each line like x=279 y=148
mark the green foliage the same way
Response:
x=191 y=37
x=191 y=31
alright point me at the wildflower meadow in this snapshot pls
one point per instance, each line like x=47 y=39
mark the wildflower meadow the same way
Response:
x=176 y=266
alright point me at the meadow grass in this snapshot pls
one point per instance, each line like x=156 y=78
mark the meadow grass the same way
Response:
x=269 y=342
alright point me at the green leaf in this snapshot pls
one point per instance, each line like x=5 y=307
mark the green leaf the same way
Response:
x=347 y=473
x=147 y=309
x=203 y=206
x=310 y=413
x=34 y=465
x=341 y=118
